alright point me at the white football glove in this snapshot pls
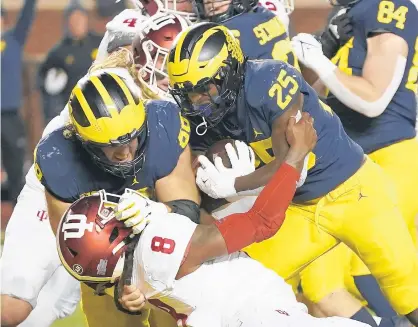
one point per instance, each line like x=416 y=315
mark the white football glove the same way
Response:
x=218 y=181
x=309 y=52
x=136 y=210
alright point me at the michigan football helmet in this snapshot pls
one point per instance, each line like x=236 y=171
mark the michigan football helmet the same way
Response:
x=105 y=111
x=91 y=242
x=211 y=10
x=152 y=7
x=205 y=69
x=151 y=47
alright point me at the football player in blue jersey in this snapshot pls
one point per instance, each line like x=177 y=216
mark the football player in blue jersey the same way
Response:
x=263 y=33
x=116 y=141
x=376 y=106
x=252 y=101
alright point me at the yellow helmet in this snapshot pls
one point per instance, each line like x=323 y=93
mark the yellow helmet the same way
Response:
x=206 y=69
x=106 y=111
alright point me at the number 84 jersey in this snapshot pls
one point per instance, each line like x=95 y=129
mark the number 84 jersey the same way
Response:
x=397 y=122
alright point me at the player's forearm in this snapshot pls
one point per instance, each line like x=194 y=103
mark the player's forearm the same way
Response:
x=266 y=216
x=261 y=176
x=258 y=178
x=360 y=94
x=320 y=88
x=357 y=85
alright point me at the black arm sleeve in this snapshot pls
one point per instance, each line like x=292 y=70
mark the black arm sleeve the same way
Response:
x=186 y=208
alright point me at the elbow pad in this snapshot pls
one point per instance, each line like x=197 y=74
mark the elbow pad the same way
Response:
x=186 y=208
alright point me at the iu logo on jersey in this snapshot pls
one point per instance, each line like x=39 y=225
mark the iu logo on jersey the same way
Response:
x=75 y=226
x=42 y=215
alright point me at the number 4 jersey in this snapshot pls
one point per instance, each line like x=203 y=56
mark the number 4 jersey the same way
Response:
x=397 y=122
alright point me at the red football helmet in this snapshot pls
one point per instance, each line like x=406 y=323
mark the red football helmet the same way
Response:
x=91 y=241
x=151 y=47
x=180 y=7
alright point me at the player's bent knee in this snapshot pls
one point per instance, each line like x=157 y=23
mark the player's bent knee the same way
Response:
x=13 y=311
x=339 y=303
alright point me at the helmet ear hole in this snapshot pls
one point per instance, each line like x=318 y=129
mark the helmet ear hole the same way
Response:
x=73 y=253
x=114 y=235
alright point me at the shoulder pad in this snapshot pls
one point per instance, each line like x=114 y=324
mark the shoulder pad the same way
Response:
x=169 y=134
x=398 y=17
x=53 y=160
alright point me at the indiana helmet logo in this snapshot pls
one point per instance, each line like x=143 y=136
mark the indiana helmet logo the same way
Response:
x=75 y=226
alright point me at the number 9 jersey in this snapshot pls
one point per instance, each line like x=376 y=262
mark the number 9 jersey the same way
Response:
x=397 y=122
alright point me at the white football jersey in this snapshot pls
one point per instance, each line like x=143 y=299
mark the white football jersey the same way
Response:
x=217 y=293
x=158 y=256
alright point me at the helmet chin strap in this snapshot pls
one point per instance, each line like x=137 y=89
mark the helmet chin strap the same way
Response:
x=203 y=125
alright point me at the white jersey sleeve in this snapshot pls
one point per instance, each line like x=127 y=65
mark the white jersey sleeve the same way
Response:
x=277 y=8
x=161 y=250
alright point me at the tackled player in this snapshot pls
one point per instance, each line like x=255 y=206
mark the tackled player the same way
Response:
x=196 y=272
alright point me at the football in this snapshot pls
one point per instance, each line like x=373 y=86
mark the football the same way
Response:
x=218 y=150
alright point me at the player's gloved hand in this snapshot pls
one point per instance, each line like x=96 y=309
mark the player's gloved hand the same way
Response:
x=301 y=136
x=137 y=210
x=338 y=32
x=242 y=158
x=309 y=52
x=218 y=181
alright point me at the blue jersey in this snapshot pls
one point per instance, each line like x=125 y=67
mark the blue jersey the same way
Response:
x=262 y=36
x=397 y=122
x=67 y=170
x=271 y=87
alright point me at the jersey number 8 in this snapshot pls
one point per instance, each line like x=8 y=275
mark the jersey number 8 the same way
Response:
x=163 y=245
